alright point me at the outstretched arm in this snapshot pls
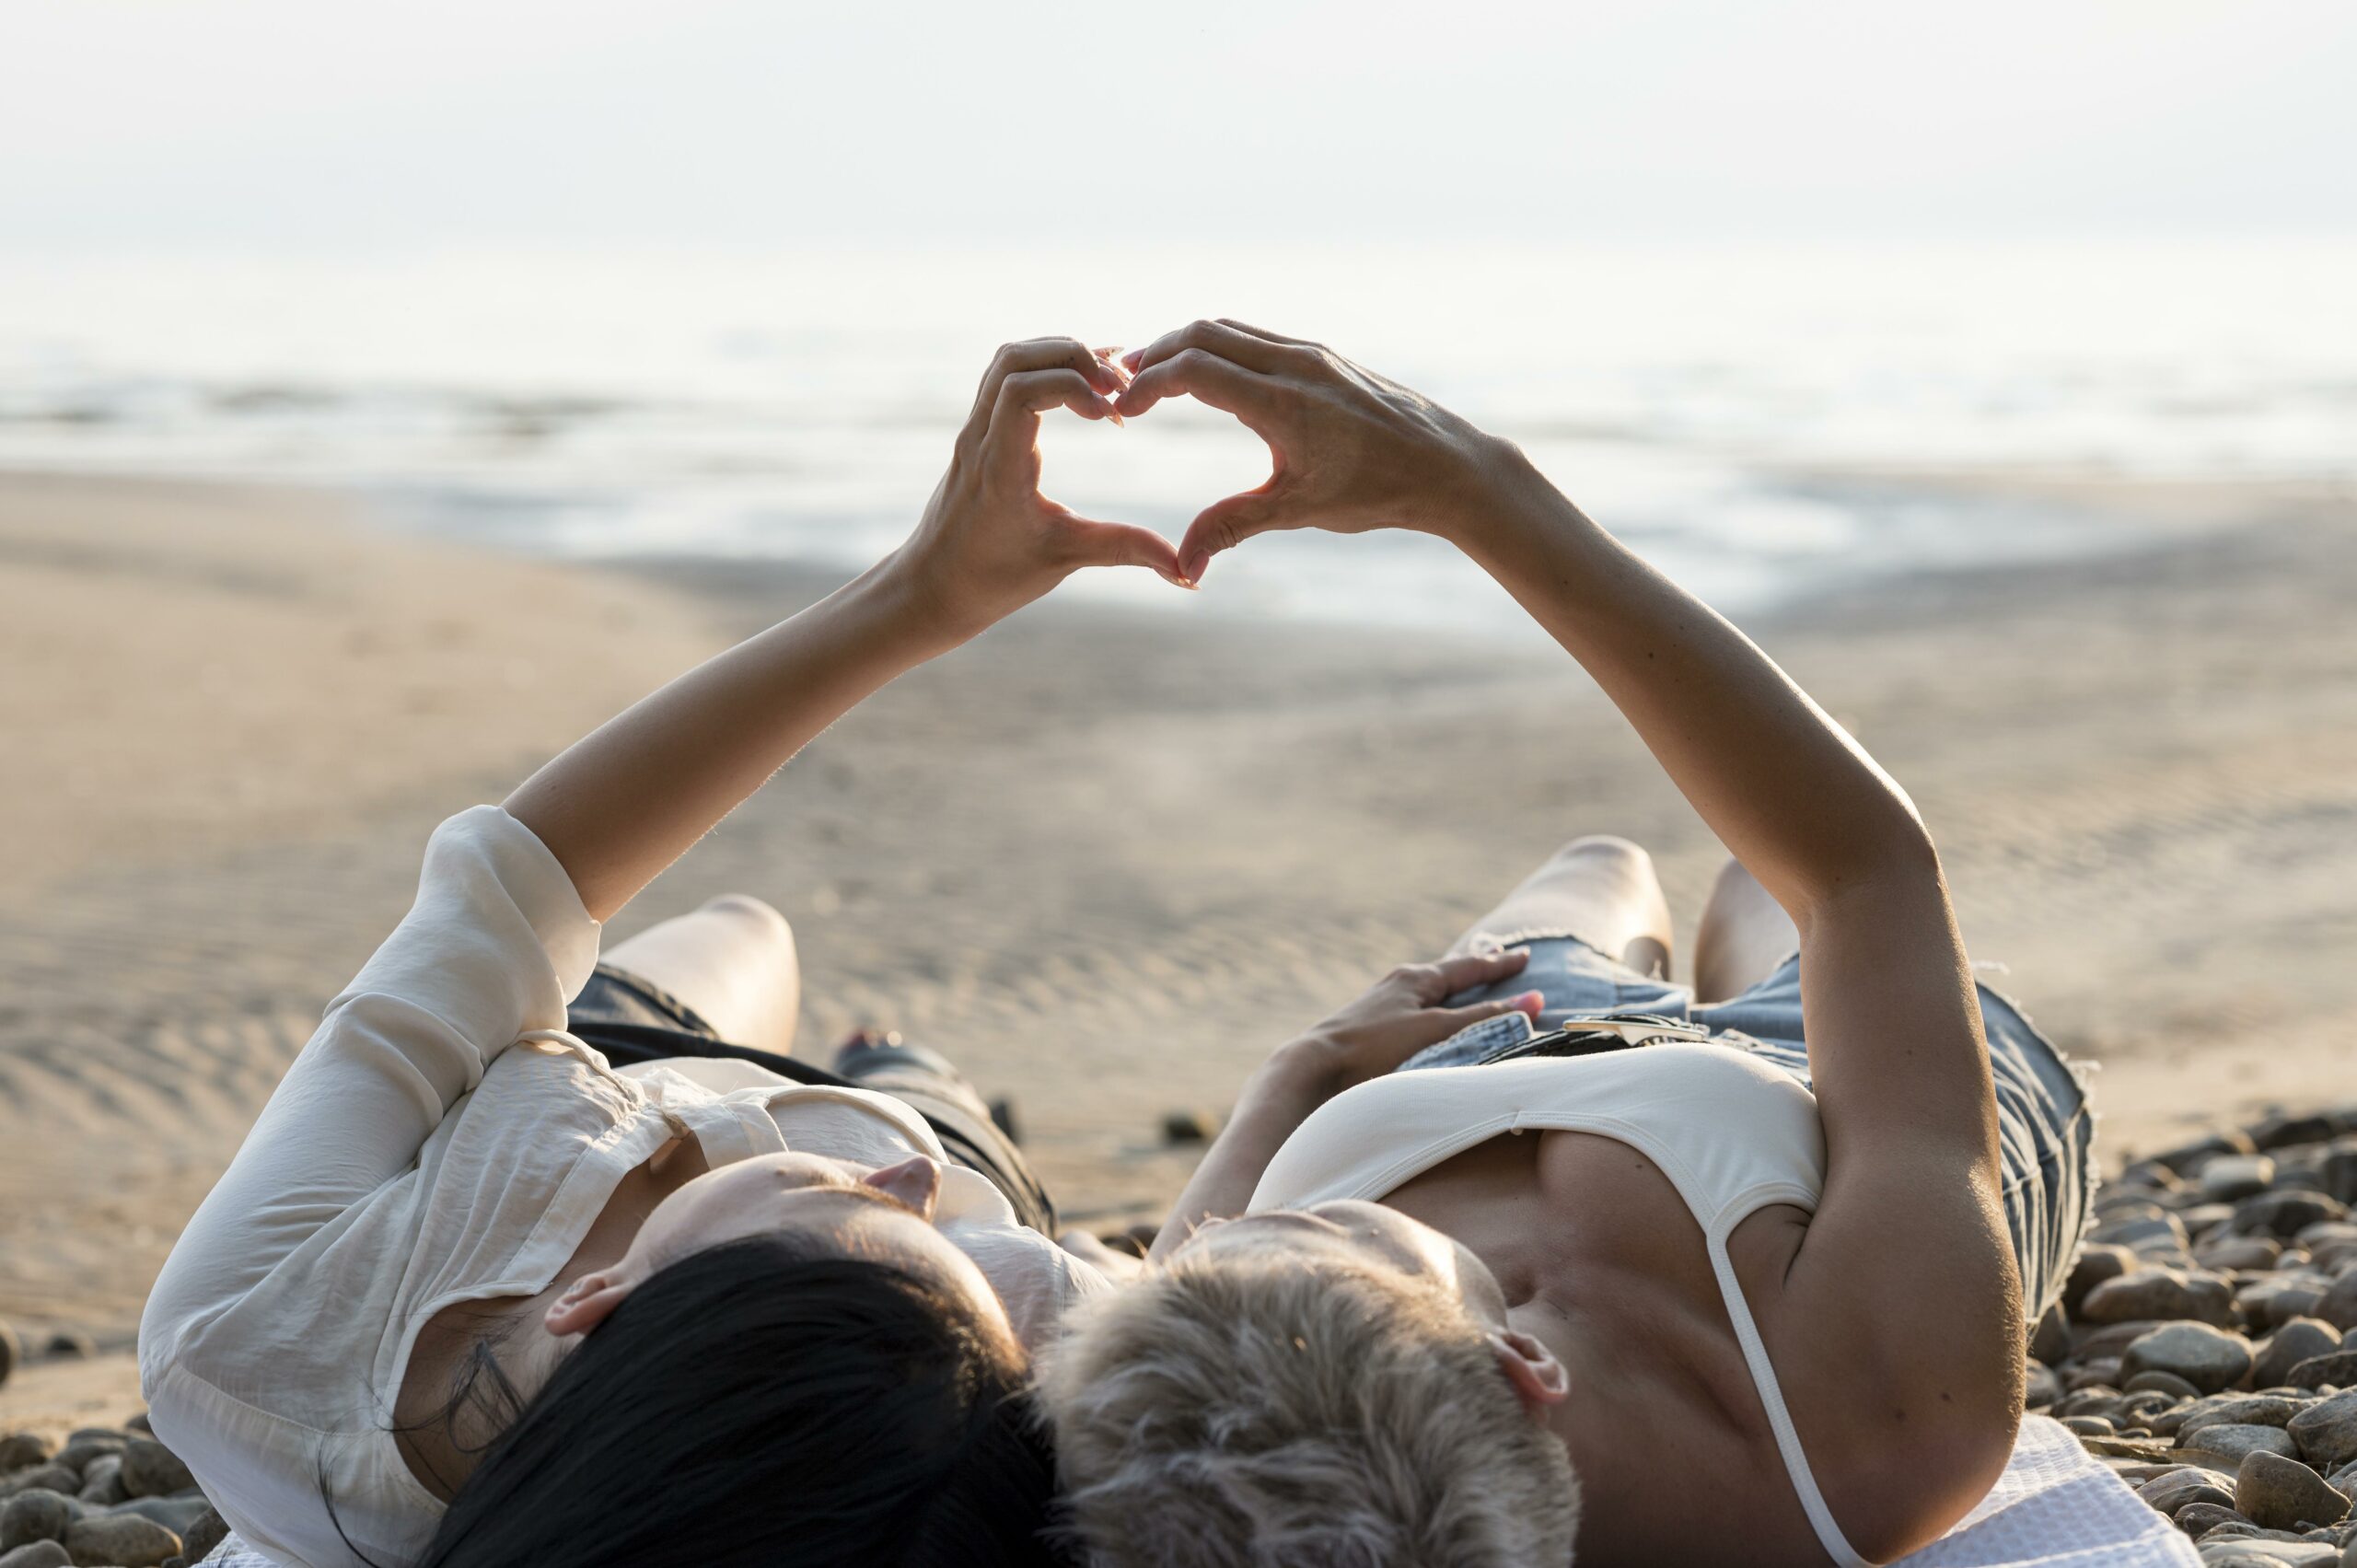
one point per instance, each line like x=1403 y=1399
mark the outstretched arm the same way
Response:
x=1910 y=1216
x=619 y=805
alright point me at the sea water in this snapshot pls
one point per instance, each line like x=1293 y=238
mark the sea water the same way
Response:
x=1754 y=419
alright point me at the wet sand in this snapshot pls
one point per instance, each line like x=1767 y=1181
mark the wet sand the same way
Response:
x=1107 y=860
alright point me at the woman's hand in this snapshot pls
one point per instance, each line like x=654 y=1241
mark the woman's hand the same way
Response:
x=1399 y=1016
x=990 y=543
x=1349 y=450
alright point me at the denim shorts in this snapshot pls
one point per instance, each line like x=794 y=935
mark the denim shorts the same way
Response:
x=630 y=1020
x=2046 y=1129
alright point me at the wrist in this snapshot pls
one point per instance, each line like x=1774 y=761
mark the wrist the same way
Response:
x=912 y=602
x=1499 y=494
x=1303 y=1074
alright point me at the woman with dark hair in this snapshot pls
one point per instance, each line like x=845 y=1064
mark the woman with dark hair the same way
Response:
x=488 y=1284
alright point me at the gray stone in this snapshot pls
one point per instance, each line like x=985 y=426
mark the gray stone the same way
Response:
x=2230 y=1444
x=1181 y=1128
x=2338 y=1307
x=208 y=1532
x=150 y=1469
x=2188 y=1157
x=2284 y=1213
x=2158 y=1382
x=2203 y=1219
x=2251 y=1553
x=36 y=1516
x=121 y=1540
x=204 y=1536
x=2173 y=1490
x=2141 y=1407
x=2161 y=1228
x=2160 y=1294
x=2218 y=1552
x=2088 y=1425
x=2150 y=1174
x=71 y=1344
x=81 y=1448
x=2209 y=1358
x=39 y=1554
x=2051 y=1341
x=2285 y=1132
x=2303 y=1338
x=2197 y=1519
x=2041 y=1388
x=12 y=1351
x=2233 y=1177
x=51 y=1478
x=2246 y=1410
x=2327 y=1431
x=103 y=1480
x=19 y=1450
x=2239 y=1252
x=2093 y=1265
x=2116 y=1205
x=2336 y=1367
x=2102 y=1372
x=2278 y=1494
x=177 y=1515
x=2339 y=1173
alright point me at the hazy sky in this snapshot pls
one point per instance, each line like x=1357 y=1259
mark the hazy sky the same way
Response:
x=138 y=124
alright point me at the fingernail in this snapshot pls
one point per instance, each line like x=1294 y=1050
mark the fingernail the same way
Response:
x=1111 y=412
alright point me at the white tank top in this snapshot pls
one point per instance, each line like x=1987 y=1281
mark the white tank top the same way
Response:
x=1732 y=1133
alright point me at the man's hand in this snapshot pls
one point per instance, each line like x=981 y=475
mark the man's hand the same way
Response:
x=1349 y=450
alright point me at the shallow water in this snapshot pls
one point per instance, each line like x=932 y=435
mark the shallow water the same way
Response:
x=799 y=405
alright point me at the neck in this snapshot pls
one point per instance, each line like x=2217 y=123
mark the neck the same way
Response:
x=445 y=1421
x=1654 y=1401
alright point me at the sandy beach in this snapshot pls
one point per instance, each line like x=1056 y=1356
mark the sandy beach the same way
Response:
x=1105 y=860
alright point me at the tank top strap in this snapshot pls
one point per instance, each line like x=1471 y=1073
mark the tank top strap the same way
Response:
x=1763 y=1372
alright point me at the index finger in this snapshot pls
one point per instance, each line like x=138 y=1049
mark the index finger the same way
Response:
x=1468 y=969
x=1205 y=376
x=1042 y=353
x=1228 y=340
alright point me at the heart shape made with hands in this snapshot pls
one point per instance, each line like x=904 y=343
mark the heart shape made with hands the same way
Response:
x=1148 y=470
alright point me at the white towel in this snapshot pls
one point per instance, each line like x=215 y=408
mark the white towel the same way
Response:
x=2054 y=1507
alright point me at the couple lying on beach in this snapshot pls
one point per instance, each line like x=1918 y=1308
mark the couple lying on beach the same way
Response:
x=539 y=1259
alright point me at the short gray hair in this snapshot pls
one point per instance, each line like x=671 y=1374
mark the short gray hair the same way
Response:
x=1241 y=1413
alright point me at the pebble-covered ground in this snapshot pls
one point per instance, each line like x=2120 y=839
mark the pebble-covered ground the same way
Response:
x=2198 y=1347
x=107 y=1497
x=2198 y=1352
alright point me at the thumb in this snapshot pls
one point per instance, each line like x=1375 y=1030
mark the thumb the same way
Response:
x=1124 y=544
x=1528 y=1004
x=1224 y=525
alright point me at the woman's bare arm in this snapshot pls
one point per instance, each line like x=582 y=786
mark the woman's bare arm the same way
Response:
x=622 y=804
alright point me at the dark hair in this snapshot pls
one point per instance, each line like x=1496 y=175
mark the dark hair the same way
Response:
x=752 y=1404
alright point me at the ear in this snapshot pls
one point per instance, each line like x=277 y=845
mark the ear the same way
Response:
x=587 y=1302
x=1538 y=1377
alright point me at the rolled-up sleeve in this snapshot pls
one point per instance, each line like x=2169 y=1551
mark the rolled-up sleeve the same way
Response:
x=496 y=945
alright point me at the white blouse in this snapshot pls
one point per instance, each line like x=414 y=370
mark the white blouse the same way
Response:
x=443 y=1139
